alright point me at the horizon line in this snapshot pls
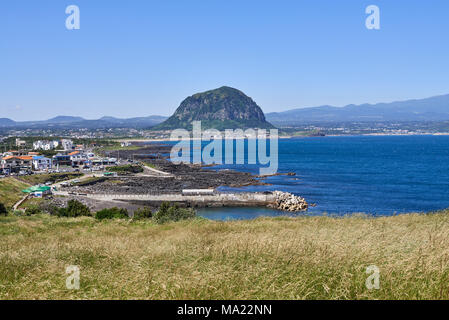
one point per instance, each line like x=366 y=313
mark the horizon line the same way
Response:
x=294 y=108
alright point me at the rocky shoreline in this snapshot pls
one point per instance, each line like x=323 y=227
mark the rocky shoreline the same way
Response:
x=183 y=176
x=286 y=201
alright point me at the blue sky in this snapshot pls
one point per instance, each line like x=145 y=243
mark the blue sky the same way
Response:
x=139 y=58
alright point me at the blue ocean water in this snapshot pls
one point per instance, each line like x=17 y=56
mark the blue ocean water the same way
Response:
x=377 y=175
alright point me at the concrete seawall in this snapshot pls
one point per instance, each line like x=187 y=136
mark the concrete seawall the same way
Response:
x=277 y=200
x=215 y=200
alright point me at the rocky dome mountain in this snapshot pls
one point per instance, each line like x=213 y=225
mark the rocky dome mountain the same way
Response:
x=222 y=108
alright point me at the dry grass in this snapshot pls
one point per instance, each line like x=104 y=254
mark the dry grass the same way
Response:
x=49 y=177
x=11 y=191
x=282 y=258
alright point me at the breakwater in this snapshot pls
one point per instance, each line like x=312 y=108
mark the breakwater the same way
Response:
x=276 y=200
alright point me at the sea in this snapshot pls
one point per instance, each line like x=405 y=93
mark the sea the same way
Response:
x=341 y=175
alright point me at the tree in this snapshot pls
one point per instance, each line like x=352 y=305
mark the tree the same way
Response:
x=142 y=213
x=74 y=209
x=3 y=211
x=112 y=213
x=167 y=213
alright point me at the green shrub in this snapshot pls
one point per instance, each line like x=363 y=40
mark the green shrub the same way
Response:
x=18 y=213
x=3 y=211
x=74 y=209
x=50 y=208
x=31 y=210
x=167 y=213
x=142 y=213
x=62 y=212
x=112 y=213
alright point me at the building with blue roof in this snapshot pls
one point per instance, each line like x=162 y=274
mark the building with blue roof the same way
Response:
x=41 y=163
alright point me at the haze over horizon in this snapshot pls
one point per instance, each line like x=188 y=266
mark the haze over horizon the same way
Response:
x=145 y=59
x=150 y=115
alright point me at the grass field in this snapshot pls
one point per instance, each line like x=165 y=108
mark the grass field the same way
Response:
x=11 y=191
x=115 y=147
x=280 y=258
x=49 y=177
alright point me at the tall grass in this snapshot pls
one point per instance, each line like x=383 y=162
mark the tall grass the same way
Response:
x=49 y=177
x=11 y=191
x=272 y=258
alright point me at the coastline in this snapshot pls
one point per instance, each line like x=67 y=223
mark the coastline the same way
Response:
x=143 y=140
x=224 y=179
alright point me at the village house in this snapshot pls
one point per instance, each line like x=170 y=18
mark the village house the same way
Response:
x=20 y=143
x=32 y=153
x=62 y=160
x=103 y=161
x=38 y=191
x=16 y=153
x=78 y=158
x=15 y=164
x=41 y=163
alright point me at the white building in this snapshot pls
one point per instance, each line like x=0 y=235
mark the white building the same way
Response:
x=78 y=158
x=45 y=145
x=67 y=144
x=41 y=163
x=20 y=143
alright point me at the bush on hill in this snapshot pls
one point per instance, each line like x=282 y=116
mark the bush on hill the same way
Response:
x=167 y=213
x=142 y=213
x=112 y=213
x=3 y=211
x=74 y=209
x=32 y=210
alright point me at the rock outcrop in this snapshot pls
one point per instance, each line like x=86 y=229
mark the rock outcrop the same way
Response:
x=222 y=108
x=288 y=202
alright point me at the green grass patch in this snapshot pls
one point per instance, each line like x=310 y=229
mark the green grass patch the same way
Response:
x=126 y=169
x=90 y=181
x=50 y=177
x=150 y=165
x=114 y=146
x=11 y=191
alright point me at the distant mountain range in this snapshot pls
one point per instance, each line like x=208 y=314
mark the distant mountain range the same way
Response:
x=78 y=122
x=430 y=109
x=230 y=107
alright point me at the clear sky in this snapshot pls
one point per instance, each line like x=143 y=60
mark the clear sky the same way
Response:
x=139 y=58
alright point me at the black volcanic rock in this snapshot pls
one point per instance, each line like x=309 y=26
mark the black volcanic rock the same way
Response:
x=222 y=108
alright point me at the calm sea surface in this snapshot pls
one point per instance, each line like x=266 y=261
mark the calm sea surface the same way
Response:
x=377 y=175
